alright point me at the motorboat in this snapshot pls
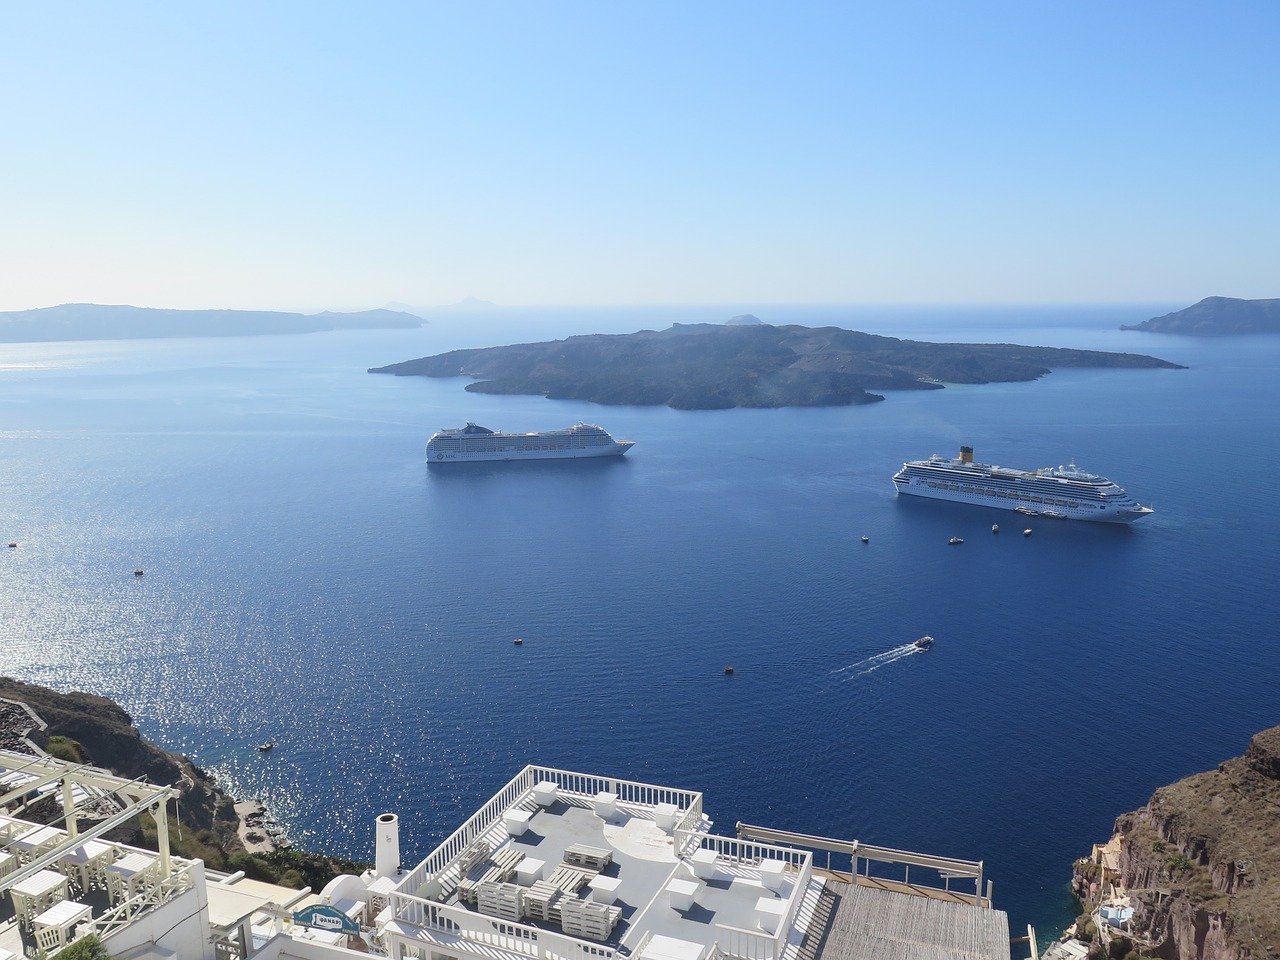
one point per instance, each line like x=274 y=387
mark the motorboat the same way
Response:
x=865 y=539
x=954 y=540
x=924 y=643
x=995 y=528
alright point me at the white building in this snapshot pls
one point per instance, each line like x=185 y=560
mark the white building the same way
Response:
x=556 y=866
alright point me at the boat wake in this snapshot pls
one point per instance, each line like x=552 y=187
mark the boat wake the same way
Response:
x=878 y=661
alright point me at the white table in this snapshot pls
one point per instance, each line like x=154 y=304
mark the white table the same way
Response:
x=604 y=889
x=771 y=874
x=517 y=821
x=127 y=875
x=31 y=844
x=769 y=913
x=606 y=804
x=38 y=893
x=530 y=870
x=90 y=860
x=665 y=815
x=680 y=893
x=57 y=925
x=703 y=863
x=545 y=792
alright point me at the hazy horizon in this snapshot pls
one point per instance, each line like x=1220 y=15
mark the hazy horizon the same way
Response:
x=293 y=157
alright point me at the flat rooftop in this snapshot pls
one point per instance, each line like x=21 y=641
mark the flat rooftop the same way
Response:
x=680 y=891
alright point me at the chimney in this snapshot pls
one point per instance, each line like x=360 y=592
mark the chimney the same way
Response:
x=387 y=849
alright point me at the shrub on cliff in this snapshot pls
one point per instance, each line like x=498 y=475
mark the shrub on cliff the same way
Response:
x=66 y=749
x=1119 y=948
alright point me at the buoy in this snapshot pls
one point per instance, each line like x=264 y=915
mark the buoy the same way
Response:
x=137 y=573
x=728 y=670
x=519 y=641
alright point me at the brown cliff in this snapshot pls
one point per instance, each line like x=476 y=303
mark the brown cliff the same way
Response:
x=1200 y=862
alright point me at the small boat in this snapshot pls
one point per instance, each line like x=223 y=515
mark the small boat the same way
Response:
x=954 y=540
x=264 y=747
x=138 y=573
x=1053 y=514
x=1026 y=511
x=1026 y=532
x=924 y=643
x=865 y=539
x=995 y=528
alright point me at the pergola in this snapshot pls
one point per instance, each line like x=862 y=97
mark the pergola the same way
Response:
x=46 y=775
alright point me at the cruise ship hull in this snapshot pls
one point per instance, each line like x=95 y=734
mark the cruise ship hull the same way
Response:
x=480 y=456
x=476 y=444
x=1063 y=492
x=1096 y=514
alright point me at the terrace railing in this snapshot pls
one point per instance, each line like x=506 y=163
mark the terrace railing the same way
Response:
x=747 y=944
x=581 y=785
x=862 y=856
x=513 y=938
x=627 y=791
x=176 y=884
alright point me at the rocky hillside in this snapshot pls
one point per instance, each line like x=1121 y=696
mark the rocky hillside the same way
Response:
x=82 y=727
x=713 y=366
x=1201 y=861
x=1217 y=317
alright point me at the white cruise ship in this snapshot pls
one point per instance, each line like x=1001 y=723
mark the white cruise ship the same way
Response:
x=474 y=442
x=1054 y=491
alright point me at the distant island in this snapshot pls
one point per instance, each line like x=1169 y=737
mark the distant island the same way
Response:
x=1217 y=317
x=716 y=366
x=93 y=321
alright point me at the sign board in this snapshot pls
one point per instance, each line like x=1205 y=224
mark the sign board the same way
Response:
x=324 y=917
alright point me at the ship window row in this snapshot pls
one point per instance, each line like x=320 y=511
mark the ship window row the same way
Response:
x=472 y=447
x=1001 y=494
x=1042 y=488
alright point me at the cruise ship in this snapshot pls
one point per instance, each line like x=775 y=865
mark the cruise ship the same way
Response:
x=556 y=865
x=1053 y=491
x=474 y=442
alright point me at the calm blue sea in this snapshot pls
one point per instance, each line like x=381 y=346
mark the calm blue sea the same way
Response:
x=310 y=581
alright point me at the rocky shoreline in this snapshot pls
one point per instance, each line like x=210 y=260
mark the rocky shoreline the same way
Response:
x=1193 y=875
x=225 y=832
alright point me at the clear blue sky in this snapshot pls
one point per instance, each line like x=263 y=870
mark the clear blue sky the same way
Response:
x=310 y=155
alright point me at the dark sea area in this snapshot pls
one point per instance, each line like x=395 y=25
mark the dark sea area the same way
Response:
x=310 y=581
